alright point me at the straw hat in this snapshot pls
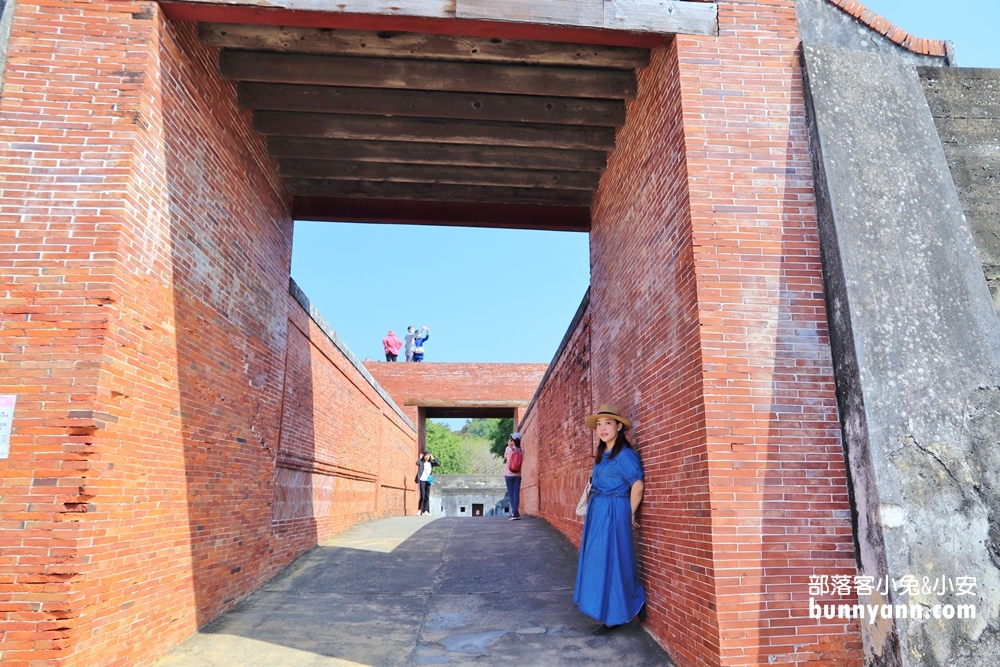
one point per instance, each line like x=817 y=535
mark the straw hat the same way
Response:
x=611 y=411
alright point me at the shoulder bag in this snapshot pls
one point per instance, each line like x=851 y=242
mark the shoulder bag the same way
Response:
x=581 y=507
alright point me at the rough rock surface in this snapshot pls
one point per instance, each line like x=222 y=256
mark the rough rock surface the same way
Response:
x=965 y=103
x=917 y=353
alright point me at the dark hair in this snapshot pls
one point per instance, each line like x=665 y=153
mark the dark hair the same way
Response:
x=621 y=442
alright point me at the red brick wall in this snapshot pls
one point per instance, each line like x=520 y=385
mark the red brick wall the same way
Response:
x=433 y=384
x=557 y=444
x=97 y=476
x=778 y=482
x=707 y=327
x=647 y=356
x=144 y=253
x=638 y=347
x=345 y=454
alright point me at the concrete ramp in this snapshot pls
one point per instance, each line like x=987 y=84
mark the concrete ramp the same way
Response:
x=450 y=592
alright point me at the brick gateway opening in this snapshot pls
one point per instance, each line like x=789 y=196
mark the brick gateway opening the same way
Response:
x=174 y=446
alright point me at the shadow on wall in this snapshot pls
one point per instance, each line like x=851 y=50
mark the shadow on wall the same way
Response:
x=805 y=510
x=231 y=238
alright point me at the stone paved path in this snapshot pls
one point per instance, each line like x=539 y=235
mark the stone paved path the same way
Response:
x=421 y=591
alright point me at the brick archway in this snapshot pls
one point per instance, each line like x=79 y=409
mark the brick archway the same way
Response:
x=434 y=390
x=185 y=424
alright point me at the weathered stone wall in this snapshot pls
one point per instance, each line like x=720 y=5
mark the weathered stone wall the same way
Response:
x=917 y=349
x=851 y=25
x=965 y=103
x=6 y=21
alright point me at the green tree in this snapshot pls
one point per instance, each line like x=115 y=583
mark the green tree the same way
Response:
x=479 y=427
x=448 y=448
x=499 y=435
x=495 y=431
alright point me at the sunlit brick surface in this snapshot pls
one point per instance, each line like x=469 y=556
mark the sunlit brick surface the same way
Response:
x=435 y=383
x=707 y=326
x=145 y=244
x=184 y=430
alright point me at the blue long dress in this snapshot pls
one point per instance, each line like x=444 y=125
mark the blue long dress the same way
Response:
x=607 y=578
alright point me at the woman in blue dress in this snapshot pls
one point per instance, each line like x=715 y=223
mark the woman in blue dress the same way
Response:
x=607 y=578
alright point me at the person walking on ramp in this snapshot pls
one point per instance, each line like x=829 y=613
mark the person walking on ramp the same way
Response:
x=513 y=456
x=607 y=577
x=425 y=477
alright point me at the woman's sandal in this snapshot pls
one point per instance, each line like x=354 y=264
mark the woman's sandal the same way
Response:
x=603 y=629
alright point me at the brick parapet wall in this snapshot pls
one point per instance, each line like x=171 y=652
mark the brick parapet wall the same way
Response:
x=707 y=327
x=346 y=454
x=331 y=334
x=557 y=444
x=779 y=490
x=145 y=252
x=460 y=384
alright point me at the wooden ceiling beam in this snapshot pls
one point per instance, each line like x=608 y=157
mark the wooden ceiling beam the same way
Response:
x=432 y=104
x=426 y=75
x=333 y=126
x=436 y=153
x=589 y=21
x=438 y=192
x=424 y=173
x=444 y=213
x=321 y=41
x=674 y=16
x=468 y=413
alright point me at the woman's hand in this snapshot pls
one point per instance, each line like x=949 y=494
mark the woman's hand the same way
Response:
x=635 y=497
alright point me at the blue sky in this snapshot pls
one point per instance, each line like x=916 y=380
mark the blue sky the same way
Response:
x=971 y=24
x=505 y=295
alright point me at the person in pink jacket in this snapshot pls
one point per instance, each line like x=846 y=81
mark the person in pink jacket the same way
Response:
x=392 y=346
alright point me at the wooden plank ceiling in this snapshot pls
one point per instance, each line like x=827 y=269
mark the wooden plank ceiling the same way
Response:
x=431 y=129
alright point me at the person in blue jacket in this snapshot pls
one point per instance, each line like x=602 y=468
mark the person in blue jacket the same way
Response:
x=607 y=577
x=419 y=340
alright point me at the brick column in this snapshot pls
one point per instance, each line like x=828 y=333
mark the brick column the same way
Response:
x=144 y=266
x=778 y=485
x=709 y=329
